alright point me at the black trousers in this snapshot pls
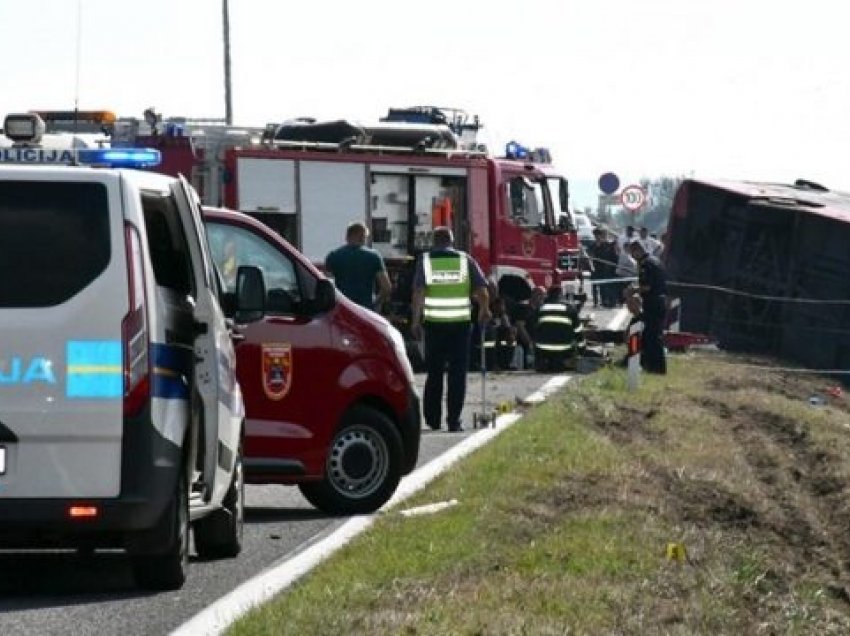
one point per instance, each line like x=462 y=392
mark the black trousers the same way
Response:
x=652 y=357
x=446 y=347
x=598 y=293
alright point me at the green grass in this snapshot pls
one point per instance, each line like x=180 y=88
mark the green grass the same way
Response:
x=563 y=522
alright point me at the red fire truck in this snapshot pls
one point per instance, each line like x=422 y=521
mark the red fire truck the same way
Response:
x=418 y=168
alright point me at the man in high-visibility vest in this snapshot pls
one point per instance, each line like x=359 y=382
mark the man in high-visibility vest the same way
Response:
x=558 y=334
x=443 y=285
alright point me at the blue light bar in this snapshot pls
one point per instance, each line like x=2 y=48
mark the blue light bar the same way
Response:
x=120 y=157
x=103 y=157
x=513 y=150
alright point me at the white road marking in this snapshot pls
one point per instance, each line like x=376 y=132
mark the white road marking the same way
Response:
x=429 y=509
x=218 y=616
x=547 y=389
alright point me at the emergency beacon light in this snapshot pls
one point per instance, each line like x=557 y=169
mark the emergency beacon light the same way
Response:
x=24 y=128
x=120 y=157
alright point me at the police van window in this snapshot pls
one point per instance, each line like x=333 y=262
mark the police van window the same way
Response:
x=168 y=247
x=527 y=205
x=234 y=246
x=54 y=240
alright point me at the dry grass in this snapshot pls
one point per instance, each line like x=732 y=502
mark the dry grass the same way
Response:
x=564 y=521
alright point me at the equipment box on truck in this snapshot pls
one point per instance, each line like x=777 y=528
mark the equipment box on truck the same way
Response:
x=121 y=420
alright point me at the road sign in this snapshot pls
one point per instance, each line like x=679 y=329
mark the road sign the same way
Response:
x=609 y=183
x=633 y=198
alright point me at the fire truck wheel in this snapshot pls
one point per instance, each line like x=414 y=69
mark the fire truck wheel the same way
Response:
x=363 y=466
x=166 y=570
x=219 y=535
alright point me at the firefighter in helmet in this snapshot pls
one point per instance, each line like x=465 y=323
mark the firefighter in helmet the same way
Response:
x=558 y=334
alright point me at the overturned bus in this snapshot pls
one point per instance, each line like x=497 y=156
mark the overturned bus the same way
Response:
x=764 y=268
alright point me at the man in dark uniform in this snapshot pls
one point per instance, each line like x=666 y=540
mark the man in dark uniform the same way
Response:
x=603 y=254
x=500 y=336
x=445 y=279
x=652 y=287
x=524 y=317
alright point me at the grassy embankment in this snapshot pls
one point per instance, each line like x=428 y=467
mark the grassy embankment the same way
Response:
x=564 y=522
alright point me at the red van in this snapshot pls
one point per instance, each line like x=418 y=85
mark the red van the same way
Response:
x=328 y=390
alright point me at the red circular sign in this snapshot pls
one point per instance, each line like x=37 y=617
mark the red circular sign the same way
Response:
x=633 y=198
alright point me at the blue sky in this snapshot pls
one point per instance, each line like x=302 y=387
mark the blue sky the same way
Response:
x=747 y=89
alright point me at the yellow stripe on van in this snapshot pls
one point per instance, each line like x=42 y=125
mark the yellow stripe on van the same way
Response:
x=95 y=368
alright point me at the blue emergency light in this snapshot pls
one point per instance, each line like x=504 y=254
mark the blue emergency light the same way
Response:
x=514 y=150
x=101 y=157
x=120 y=157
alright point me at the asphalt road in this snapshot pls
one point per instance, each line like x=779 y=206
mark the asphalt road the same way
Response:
x=63 y=593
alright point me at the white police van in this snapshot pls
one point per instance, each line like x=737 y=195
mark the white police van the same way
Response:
x=120 y=416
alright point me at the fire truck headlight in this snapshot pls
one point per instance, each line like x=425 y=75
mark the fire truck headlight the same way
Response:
x=24 y=127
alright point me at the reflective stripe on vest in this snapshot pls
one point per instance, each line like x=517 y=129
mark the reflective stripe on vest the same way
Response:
x=558 y=333
x=447 y=288
x=559 y=319
x=551 y=347
x=489 y=344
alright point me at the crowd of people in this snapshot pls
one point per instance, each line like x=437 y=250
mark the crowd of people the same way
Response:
x=465 y=325
x=611 y=264
x=461 y=320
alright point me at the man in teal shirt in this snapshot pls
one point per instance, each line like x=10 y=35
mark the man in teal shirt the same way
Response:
x=358 y=269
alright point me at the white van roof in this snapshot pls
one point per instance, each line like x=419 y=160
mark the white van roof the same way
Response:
x=142 y=179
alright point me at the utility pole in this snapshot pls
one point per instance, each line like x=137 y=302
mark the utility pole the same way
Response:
x=228 y=102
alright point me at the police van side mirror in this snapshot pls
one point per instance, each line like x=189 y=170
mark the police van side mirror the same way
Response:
x=325 y=298
x=250 y=294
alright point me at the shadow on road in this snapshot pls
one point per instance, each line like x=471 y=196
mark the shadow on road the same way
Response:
x=270 y=514
x=56 y=579
x=43 y=579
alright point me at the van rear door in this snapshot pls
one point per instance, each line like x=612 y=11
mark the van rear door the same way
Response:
x=63 y=294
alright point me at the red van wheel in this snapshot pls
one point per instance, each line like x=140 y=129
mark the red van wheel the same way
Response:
x=363 y=466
